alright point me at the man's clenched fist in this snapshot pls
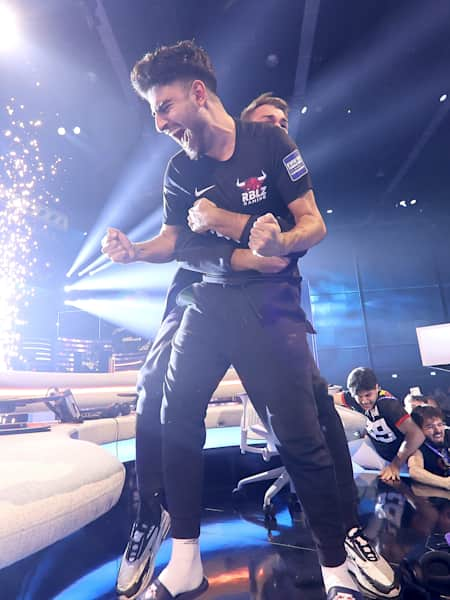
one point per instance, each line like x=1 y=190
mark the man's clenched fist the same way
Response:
x=201 y=215
x=117 y=246
x=266 y=237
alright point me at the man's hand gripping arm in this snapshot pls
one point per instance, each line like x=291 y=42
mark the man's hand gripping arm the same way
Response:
x=267 y=239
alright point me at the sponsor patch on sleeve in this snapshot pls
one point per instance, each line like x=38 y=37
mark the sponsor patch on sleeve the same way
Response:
x=295 y=165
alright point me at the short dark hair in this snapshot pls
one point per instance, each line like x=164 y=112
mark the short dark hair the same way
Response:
x=361 y=379
x=422 y=413
x=266 y=98
x=182 y=61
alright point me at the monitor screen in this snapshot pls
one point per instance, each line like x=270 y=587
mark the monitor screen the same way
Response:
x=434 y=345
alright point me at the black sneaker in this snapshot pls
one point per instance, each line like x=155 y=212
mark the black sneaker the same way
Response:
x=373 y=574
x=138 y=561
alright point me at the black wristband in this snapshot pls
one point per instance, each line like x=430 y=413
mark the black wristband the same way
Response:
x=245 y=236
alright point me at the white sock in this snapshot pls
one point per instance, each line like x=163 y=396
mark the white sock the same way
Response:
x=338 y=576
x=185 y=570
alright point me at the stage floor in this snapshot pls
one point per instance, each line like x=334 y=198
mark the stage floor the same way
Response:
x=242 y=559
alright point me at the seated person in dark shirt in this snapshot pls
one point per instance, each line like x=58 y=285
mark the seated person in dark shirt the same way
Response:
x=430 y=464
x=391 y=435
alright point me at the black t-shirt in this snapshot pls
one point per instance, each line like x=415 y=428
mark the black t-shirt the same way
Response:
x=382 y=425
x=437 y=459
x=265 y=174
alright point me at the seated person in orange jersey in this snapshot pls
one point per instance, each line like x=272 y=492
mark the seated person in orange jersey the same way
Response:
x=391 y=435
x=430 y=464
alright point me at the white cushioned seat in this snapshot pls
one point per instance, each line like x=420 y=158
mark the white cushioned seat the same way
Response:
x=50 y=486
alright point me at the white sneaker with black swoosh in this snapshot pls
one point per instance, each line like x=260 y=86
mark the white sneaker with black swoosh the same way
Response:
x=138 y=561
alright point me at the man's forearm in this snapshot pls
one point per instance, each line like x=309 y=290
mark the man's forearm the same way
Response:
x=427 y=478
x=243 y=259
x=160 y=249
x=218 y=260
x=418 y=472
x=229 y=224
x=204 y=253
x=307 y=233
x=219 y=256
x=409 y=445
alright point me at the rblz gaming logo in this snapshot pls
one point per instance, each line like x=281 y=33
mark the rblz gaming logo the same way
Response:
x=252 y=189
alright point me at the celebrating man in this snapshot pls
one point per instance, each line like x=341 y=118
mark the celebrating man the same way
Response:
x=243 y=317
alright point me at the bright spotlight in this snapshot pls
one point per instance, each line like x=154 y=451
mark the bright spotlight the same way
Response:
x=76 y=130
x=98 y=261
x=9 y=32
x=111 y=276
x=100 y=268
x=403 y=203
x=443 y=98
x=329 y=211
x=61 y=131
x=304 y=110
x=141 y=315
x=413 y=201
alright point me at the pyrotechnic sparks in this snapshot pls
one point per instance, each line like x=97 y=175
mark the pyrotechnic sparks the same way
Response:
x=24 y=179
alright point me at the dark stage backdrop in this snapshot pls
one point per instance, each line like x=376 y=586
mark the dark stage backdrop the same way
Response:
x=370 y=287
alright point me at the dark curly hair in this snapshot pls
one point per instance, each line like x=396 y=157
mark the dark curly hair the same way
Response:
x=182 y=61
x=421 y=413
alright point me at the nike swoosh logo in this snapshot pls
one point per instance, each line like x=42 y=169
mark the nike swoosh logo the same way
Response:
x=199 y=193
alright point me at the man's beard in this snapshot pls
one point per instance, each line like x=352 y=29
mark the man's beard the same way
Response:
x=437 y=444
